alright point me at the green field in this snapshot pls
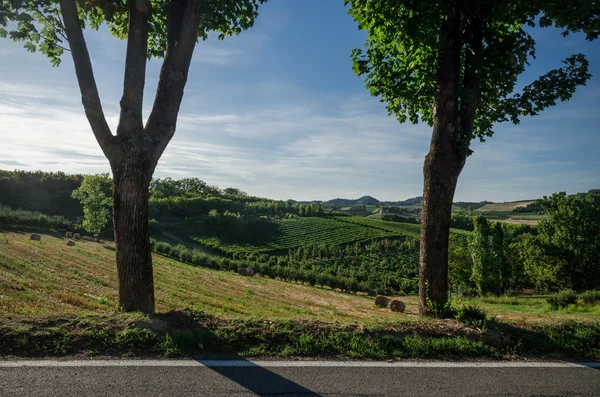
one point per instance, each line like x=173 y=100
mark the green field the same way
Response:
x=503 y=207
x=301 y=232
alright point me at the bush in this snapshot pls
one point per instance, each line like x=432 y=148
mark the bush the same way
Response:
x=472 y=315
x=442 y=310
x=590 y=297
x=562 y=299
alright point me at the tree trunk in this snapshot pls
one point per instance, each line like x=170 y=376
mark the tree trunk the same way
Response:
x=442 y=167
x=131 y=181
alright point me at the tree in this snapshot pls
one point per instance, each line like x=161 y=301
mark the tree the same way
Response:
x=168 y=29
x=480 y=253
x=454 y=65
x=460 y=265
x=566 y=251
x=498 y=268
x=94 y=195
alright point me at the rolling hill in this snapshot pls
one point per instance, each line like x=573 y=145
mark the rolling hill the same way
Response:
x=48 y=277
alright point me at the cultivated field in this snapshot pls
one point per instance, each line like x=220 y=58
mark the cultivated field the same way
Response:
x=503 y=206
x=47 y=277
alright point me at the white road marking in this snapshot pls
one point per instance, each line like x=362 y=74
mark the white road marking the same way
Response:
x=279 y=364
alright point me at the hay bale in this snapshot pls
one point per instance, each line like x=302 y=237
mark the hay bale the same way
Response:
x=250 y=272
x=69 y=234
x=397 y=306
x=77 y=236
x=242 y=271
x=372 y=292
x=35 y=236
x=381 y=301
x=70 y=243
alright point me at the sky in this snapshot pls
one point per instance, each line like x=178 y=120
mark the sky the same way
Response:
x=279 y=113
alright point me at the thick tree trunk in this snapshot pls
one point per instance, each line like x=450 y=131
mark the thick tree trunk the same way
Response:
x=443 y=165
x=131 y=181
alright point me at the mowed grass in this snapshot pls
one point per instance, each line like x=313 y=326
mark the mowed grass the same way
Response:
x=503 y=206
x=47 y=277
x=532 y=309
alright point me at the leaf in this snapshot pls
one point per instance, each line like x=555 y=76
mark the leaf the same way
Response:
x=30 y=46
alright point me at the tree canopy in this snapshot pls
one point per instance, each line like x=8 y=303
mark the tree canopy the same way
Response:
x=39 y=25
x=401 y=53
x=94 y=195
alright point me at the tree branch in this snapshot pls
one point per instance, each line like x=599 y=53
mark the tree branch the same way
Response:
x=85 y=77
x=183 y=34
x=130 y=121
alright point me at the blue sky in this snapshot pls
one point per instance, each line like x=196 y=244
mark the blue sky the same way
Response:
x=278 y=112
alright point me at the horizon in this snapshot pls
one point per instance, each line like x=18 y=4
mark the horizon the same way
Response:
x=278 y=112
x=339 y=198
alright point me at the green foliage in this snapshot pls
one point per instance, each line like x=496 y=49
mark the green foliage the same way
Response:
x=39 y=25
x=398 y=218
x=461 y=221
x=460 y=266
x=95 y=197
x=45 y=192
x=565 y=251
x=562 y=299
x=402 y=53
x=10 y=217
x=481 y=253
x=472 y=315
x=590 y=297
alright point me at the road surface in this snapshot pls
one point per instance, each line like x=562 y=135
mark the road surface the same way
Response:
x=119 y=378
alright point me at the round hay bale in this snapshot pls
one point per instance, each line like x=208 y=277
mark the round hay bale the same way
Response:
x=372 y=292
x=397 y=306
x=35 y=236
x=242 y=271
x=77 y=236
x=250 y=272
x=381 y=301
x=69 y=234
x=70 y=243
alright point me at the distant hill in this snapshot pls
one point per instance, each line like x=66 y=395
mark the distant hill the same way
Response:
x=364 y=200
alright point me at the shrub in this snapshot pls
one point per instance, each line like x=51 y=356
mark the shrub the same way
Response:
x=590 y=297
x=472 y=315
x=562 y=299
x=442 y=310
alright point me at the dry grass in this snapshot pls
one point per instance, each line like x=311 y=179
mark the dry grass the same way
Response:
x=503 y=206
x=47 y=277
x=531 y=222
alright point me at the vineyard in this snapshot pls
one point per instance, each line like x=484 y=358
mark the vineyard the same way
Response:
x=268 y=236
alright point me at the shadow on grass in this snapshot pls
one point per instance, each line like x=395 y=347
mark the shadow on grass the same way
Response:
x=577 y=340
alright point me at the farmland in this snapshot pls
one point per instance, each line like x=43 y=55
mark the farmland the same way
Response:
x=293 y=233
x=48 y=277
x=504 y=207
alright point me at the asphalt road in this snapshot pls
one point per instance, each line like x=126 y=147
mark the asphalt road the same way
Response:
x=170 y=380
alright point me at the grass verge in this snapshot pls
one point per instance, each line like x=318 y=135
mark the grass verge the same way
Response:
x=190 y=333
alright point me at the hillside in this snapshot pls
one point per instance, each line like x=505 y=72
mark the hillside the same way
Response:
x=300 y=232
x=47 y=277
x=509 y=206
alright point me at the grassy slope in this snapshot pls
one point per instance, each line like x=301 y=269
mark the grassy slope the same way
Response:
x=503 y=206
x=57 y=300
x=47 y=277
